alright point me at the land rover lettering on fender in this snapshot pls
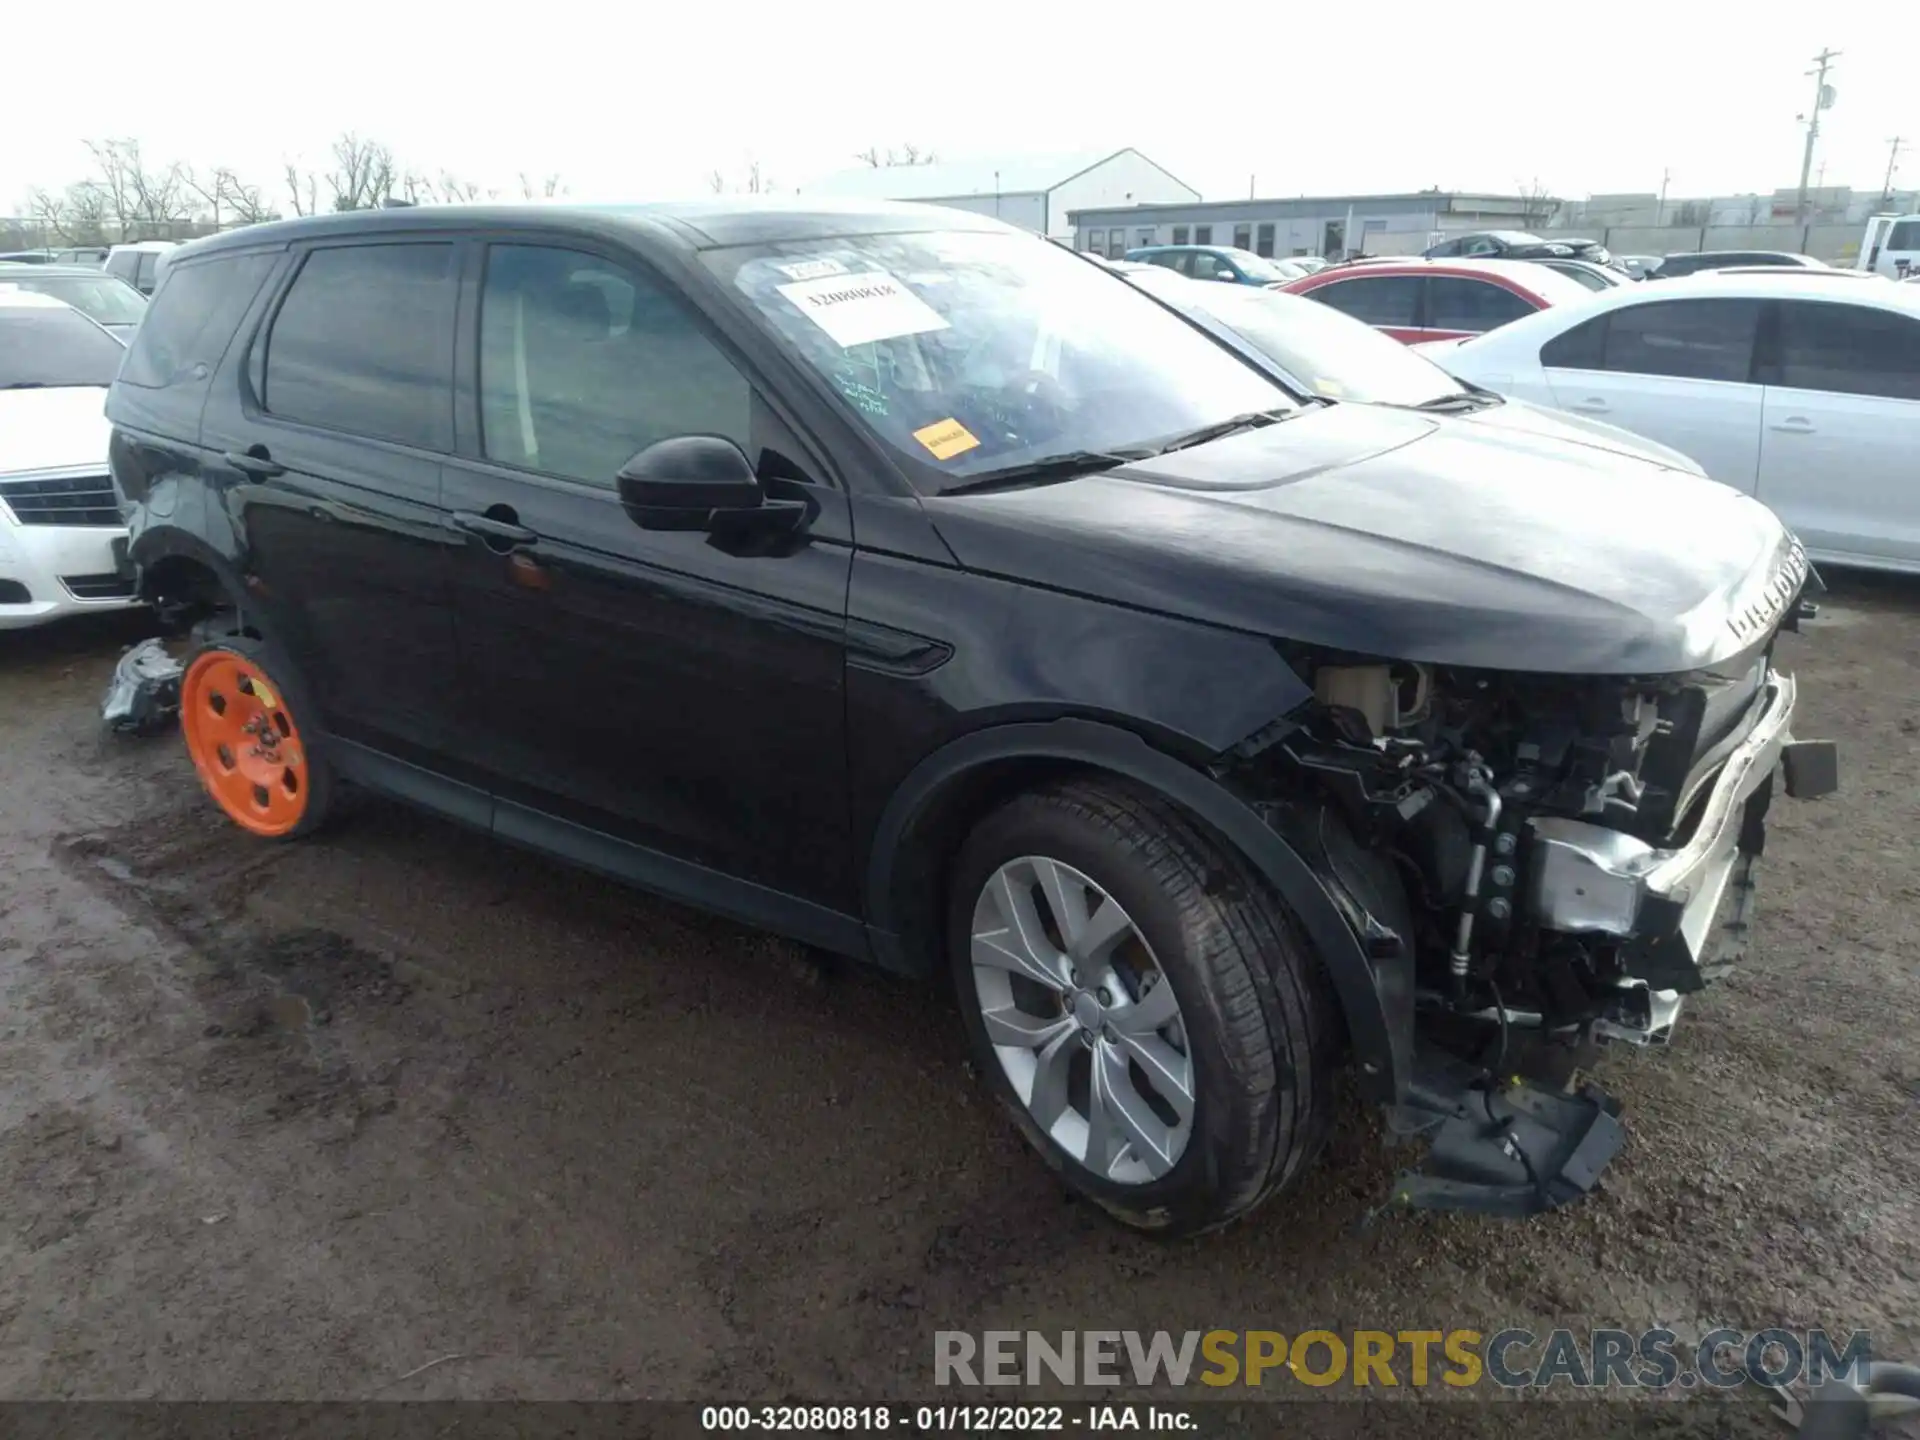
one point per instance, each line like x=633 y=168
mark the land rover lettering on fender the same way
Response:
x=911 y=587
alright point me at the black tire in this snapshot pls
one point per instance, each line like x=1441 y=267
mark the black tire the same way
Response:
x=321 y=787
x=1261 y=1027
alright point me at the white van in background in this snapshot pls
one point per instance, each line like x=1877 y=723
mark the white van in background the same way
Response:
x=1891 y=246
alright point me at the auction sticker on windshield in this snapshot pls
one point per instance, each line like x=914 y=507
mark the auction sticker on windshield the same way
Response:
x=856 y=309
x=945 y=439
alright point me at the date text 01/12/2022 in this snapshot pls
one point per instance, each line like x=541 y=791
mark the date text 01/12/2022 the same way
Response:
x=947 y=1419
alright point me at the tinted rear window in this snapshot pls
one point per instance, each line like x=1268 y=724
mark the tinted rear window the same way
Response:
x=192 y=318
x=1456 y=303
x=1904 y=236
x=364 y=343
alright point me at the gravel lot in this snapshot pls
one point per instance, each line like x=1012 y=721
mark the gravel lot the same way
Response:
x=291 y=1122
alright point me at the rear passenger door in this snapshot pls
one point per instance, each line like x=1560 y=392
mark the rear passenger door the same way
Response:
x=329 y=433
x=1840 y=450
x=1676 y=371
x=662 y=704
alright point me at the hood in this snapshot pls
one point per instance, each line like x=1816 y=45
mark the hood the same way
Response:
x=1518 y=418
x=53 y=429
x=1395 y=534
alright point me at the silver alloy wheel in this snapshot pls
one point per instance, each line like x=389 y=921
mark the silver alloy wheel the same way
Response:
x=1082 y=1019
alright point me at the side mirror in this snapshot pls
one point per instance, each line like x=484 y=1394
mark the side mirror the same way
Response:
x=686 y=482
x=1225 y=275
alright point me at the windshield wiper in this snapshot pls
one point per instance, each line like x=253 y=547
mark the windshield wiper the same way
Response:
x=1251 y=420
x=1459 y=400
x=1049 y=467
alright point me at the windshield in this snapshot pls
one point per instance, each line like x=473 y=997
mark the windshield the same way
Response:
x=54 y=347
x=98 y=297
x=1257 y=267
x=971 y=352
x=1332 y=355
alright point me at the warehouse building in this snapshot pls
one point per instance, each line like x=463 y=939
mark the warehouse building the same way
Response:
x=1036 y=193
x=1332 y=226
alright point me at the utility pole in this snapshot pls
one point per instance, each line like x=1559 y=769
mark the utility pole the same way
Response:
x=1660 y=210
x=1822 y=98
x=1894 y=147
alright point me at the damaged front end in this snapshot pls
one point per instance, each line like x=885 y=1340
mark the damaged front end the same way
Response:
x=1561 y=860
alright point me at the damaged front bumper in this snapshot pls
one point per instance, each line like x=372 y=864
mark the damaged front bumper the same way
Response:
x=1680 y=911
x=1513 y=1144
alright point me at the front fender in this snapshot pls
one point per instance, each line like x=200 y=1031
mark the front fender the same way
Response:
x=1375 y=994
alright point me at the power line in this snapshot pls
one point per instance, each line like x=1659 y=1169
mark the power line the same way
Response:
x=1822 y=97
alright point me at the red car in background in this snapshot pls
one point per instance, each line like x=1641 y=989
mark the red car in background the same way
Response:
x=1415 y=300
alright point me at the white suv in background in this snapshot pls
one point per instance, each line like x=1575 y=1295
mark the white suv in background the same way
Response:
x=63 y=543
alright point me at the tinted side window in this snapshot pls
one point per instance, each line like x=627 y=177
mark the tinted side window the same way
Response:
x=364 y=343
x=1848 y=349
x=1681 y=264
x=1903 y=236
x=1582 y=348
x=1476 y=305
x=1691 y=339
x=584 y=363
x=192 y=318
x=1377 y=299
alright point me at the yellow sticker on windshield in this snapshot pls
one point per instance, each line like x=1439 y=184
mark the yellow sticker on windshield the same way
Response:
x=946 y=439
x=1331 y=388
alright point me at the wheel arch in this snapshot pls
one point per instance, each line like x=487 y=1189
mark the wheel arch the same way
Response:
x=936 y=806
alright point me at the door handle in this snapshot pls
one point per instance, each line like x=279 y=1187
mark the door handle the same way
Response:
x=1592 y=405
x=501 y=531
x=1793 y=425
x=255 y=461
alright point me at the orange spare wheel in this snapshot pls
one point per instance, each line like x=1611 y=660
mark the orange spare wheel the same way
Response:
x=243 y=742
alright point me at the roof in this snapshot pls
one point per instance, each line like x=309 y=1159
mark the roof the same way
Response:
x=143 y=245
x=91 y=272
x=957 y=179
x=690 y=224
x=1446 y=202
x=1549 y=284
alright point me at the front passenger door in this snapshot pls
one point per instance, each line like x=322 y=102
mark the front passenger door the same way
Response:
x=1840 y=451
x=661 y=690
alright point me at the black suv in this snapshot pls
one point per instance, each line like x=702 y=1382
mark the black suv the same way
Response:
x=909 y=586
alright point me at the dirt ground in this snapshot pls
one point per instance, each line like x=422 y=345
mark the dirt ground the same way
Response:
x=295 y=1121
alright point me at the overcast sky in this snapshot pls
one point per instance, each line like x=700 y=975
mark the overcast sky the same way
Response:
x=637 y=101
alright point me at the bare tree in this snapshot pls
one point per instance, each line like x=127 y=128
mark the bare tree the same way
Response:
x=906 y=155
x=1536 y=203
x=244 y=202
x=117 y=200
x=456 y=191
x=86 y=214
x=210 y=187
x=754 y=181
x=303 y=190
x=363 y=174
x=547 y=189
x=48 y=212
